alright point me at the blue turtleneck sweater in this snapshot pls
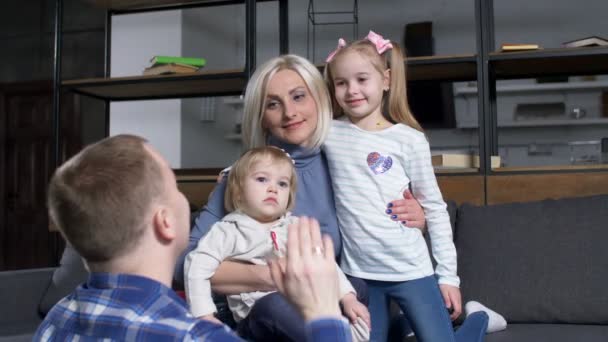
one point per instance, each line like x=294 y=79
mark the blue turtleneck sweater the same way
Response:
x=314 y=198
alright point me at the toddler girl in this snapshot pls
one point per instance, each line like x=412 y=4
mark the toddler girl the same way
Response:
x=260 y=190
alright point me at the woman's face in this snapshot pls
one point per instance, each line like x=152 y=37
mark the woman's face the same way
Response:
x=290 y=112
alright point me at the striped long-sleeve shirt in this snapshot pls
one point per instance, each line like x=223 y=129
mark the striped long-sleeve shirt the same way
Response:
x=369 y=169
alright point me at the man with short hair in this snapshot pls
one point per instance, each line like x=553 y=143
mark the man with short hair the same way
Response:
x=118 y=204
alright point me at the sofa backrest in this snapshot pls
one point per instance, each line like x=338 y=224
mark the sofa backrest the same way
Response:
x=544 y=262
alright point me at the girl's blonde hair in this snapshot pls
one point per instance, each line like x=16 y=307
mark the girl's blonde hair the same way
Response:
x=254 y=135
x=395 y=105
x=242 y=168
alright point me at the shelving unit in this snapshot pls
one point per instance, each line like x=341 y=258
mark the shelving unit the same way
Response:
x=226 y=82
x=485 y=66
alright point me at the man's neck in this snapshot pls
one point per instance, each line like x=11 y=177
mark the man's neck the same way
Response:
x=149 y=267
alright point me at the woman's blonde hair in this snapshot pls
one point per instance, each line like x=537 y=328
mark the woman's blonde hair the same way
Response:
x=254 y=135
x=395 y=105
x=242 y=168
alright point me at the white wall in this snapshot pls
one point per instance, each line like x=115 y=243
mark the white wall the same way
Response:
x=135 y=39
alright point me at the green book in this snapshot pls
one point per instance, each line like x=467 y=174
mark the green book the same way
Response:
x=197 y=62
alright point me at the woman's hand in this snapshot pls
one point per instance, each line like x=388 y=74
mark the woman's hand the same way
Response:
x=452 y=299
x=407 y=210
x=352 y=308
x=308 y=278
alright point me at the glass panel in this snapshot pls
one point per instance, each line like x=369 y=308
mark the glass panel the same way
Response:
x=562 y=122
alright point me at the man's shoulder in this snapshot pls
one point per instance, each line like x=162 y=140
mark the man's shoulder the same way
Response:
x=170 y=322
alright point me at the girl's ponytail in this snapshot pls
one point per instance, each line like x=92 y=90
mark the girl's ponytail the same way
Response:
x=395 y=103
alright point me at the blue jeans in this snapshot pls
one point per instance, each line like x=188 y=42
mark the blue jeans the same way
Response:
x=273 y=318
x=423 y=305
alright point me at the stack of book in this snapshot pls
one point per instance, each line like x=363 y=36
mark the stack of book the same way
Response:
x=519 y=47
x=587 y=41
x=162 y=65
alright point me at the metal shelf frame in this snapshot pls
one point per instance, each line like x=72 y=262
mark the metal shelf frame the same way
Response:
x=314 y=20
x=250 y=50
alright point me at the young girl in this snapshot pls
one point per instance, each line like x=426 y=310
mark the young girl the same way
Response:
x=260 y=190
x=376 y=151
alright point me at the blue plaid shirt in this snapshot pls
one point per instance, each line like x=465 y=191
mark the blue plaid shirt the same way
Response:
x=122 y=307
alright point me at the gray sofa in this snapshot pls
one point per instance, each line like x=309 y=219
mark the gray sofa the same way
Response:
x=25 y=294
x=543 y=265
x=20 y=294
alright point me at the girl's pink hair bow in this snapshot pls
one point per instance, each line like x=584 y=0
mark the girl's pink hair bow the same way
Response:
x=379 y=42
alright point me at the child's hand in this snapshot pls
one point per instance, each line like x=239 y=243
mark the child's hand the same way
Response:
x=452 y=299
x=353 y=308
x=211 y=318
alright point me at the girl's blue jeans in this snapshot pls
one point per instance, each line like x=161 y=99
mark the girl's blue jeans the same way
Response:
x=422 y=303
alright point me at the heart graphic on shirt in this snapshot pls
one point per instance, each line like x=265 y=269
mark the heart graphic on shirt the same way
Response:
x=379 y=163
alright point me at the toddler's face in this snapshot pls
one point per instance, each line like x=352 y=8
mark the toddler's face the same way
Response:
x=266 y=192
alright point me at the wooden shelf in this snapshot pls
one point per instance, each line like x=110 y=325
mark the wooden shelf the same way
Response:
x=455 y=170
x=539 y=87
x=550 y=62
x=551 y=168
x=232 y=82
x=225 y=82
x=442 y=68
x=438 y=68
x=154 y=5
x=546 y=123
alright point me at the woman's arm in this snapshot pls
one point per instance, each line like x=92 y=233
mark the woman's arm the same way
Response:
x=233 y=277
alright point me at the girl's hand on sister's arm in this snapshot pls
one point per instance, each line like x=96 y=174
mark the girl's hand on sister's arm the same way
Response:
x=407 y=210
x=352 y=308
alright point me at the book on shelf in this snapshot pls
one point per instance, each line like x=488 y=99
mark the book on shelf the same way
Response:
x=197 y=62
x=587 y=41
x=518 y=47
x=172 y=68
x=461 y=160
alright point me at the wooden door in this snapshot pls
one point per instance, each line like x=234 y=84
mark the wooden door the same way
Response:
x=28 y=158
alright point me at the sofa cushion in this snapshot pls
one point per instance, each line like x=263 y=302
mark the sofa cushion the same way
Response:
x=550 y=332
x=543 y=261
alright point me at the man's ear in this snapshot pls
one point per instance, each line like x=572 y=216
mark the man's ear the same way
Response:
x=386 y=82
x=164 y=224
